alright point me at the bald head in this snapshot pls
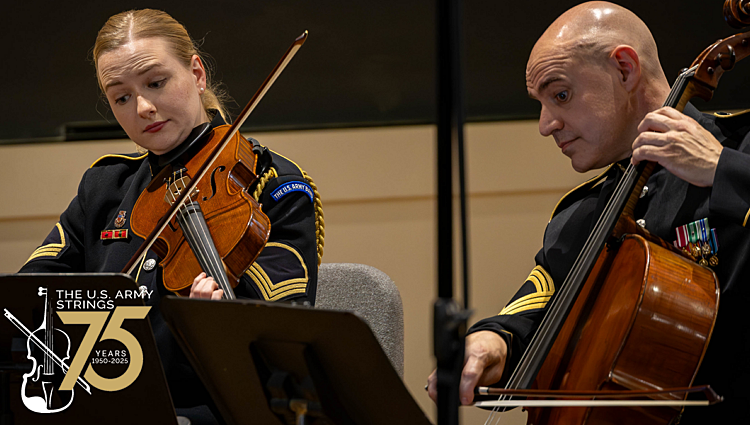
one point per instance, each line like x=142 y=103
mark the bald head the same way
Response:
x=596 y=74
x=593 y=30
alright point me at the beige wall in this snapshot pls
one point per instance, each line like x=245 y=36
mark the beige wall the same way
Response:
x=378 y=190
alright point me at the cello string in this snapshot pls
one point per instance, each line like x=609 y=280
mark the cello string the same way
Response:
x=630 y=176
x=626 y=181
x=558 y=303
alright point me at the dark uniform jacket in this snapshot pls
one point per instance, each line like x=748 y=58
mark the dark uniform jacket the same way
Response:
x=285 y=270
x=668 y=204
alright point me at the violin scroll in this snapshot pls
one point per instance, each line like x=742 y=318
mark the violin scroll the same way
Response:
x=737 y=13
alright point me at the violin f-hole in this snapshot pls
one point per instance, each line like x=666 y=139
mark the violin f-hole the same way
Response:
x=213 y=182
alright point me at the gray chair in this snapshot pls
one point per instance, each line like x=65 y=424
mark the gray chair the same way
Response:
x=373 y=296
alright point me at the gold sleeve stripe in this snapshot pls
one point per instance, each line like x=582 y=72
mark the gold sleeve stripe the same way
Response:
x=524 y=301
x=537 y=282
x=271 y=291
x=260 y=278
x=542 y=275
x=530 y=307
x=744 y=223
x=120 y=156
x=545 y=288
x=52 y=249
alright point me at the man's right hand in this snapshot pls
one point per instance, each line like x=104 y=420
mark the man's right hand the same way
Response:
x=484 y=361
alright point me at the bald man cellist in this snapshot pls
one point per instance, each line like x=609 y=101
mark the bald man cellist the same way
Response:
x=596 y=73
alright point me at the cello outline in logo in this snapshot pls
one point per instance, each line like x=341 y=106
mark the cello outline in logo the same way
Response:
x=64 y=376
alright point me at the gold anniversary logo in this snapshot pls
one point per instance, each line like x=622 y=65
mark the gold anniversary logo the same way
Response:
x=49 y=386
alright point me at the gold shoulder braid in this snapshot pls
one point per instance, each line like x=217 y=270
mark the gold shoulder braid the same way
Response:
x=320 y=232
x=320 y=224
x=270 y=174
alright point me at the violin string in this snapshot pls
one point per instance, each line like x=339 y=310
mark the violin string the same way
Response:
x=200 y=243
x=629 y=176
x=206 y=243
x=187 y=220
x=203 y=242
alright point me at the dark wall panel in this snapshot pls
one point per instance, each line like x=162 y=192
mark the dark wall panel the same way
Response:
x=365 y=63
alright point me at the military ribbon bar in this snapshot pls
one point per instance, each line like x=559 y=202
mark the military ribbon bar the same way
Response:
x=114 y=234
x=682 y=236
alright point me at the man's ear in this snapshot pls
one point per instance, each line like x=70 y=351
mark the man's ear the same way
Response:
x=625 y=59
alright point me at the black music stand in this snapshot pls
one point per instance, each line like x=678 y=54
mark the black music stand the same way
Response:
x=261 y=362
x=146 y=400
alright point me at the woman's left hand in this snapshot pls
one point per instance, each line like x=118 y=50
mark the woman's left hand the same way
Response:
x=205 y=287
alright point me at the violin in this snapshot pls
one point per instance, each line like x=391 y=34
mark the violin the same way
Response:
x=199 y=216
x=635 y=314
x=44 y=371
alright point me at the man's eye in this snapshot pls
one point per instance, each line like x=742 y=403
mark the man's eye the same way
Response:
x=157 y=84
x=562 y=96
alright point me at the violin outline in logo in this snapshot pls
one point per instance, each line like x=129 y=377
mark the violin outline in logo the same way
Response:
x=45 y=369
x=60 y=378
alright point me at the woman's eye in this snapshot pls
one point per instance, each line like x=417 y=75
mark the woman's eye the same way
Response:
x=562 y=96
x=122 y=99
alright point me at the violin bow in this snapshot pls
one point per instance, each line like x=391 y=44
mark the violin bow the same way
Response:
x=233 y=129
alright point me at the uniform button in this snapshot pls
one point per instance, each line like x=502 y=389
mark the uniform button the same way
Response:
x=644 y=192
x=641 y=222
x=149 y=265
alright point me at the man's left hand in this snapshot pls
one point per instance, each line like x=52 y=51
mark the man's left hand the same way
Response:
x=679 y=144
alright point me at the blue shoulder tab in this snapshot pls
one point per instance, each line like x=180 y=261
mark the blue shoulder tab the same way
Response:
x=289 y=187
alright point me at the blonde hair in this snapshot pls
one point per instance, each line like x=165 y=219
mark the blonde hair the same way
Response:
x=132 y=25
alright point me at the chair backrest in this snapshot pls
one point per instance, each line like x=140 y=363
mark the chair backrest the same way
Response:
x=371 y=294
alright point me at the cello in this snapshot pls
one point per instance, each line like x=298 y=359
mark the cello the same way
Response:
x=634 y=312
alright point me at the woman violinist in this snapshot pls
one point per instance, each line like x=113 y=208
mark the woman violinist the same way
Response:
x=161 y=93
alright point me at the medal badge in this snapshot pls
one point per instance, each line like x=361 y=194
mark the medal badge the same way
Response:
x=699 y=240
x=120 y=220
x=119 y=232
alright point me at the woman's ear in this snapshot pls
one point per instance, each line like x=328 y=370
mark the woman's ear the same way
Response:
x=199 y=72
